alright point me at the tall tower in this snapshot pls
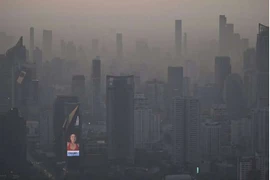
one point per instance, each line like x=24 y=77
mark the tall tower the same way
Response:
x=178 y=39
x=96 y=84
x=47 y=45
x=78 y=88
x=185 y=45
x=222 y=70
x=120 y=118
x=186 y=124
x=222 y=34
x=31 y=45
x=119 y=47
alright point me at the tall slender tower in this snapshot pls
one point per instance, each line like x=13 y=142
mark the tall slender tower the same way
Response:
x=185 y=44
x=222 y=34
x=120 y=118
x=178 y=38
x=96 y=85
x=119 y=46
x=32 y=44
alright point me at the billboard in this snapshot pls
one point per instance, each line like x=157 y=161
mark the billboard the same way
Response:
x=71 y=128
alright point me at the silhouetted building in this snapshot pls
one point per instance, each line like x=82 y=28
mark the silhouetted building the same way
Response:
x=71 y=51
x=47 y=45
x=32 y=44
x=262 y=49
x=210 y=140
x=175 y=81
x=260 y=131
x=178 y=39
x=207 y=95
x=222 y=35
x=59 y=117
x=142 y=120
x=186 y=129
x=119 y=47
x=96 y=85
x=120 y=118
x=222 y=70
x=155 y=93
x=186 y=86
x=78 y=88
x=185 y=45
x=234 y=96
x=37 y=58
x=13 y=140
x=63 y=46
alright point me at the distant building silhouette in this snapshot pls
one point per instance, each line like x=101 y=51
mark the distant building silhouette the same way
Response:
x=178 y=39
x=96 y=85
x=222 y=70
x=47 y=45
x=234 y=96
x=32 y=44
x=186 y=129
x=37 y=58
x=78 y=88
x=222 y=35
x=119 y=47
x=120 y=118
x=71 y=51
x=185 y=49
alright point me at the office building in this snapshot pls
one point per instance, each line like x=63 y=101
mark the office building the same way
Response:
x=96 y=85
x=120 y=118
x=47 y=45
x=233 y=96
x=59 y=117
x=37 y=58
x=260 y=131
x=119 y=47
x=155 y=93
x=207 y=95
x=175 y=81
x=178 y=39
x=142 y=119
x=155 y=127
x=186 y=86
x=13 y=139
x=186 y=129
x=222 y=70
x=78 y=88
x=222 y=34
x=32 y=44
x=210 y=140
x=262 y=49
x=46 y=128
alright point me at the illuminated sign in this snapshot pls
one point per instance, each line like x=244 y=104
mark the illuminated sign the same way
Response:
x=73 y=147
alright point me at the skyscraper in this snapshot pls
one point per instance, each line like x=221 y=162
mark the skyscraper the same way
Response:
x=175 y=81
x=210 y=141
x=233 y=96
x=185 y=44
x=96 y=85
x=32 y=44
x=119 y=47
x=222 y=70
x=222 y=34
x=178 y=39
x=142 y=120
x=37 y=58
x=186 y=129
x=59 y=117
x=155 y=93
x=78 y=88
x=120 y=118
x=47 y=45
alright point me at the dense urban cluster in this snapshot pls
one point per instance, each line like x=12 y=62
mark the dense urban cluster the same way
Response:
x=87 y=113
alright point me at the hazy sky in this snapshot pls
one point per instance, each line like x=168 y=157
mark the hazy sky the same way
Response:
x=82 y=20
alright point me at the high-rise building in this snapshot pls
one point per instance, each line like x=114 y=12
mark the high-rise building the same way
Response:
x=32 y=44
x=13 y=138
x=71 y=51
x=262 y=49
x=249 y=59
x=175 y=81
x=142 y=119
x=186 y=129
x=120 y=118
x=46 y=130
x=155 y=93
x=222 y=70
x=96 y=85
x=207 y=95
x=185 y=44
x=222 y=34
x=37 y=58
x=178 y=39
x=59 y=117
x=119 y=47
x=233 y=96
x=210 y=139
x=78 y=88
x=47 y=45
x=260 y=131
x=186 y=86
x=63 y=49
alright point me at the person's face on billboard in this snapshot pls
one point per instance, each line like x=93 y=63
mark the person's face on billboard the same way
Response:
x=73 y=138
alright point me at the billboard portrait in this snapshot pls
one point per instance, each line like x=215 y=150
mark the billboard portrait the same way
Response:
x=73 y=146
